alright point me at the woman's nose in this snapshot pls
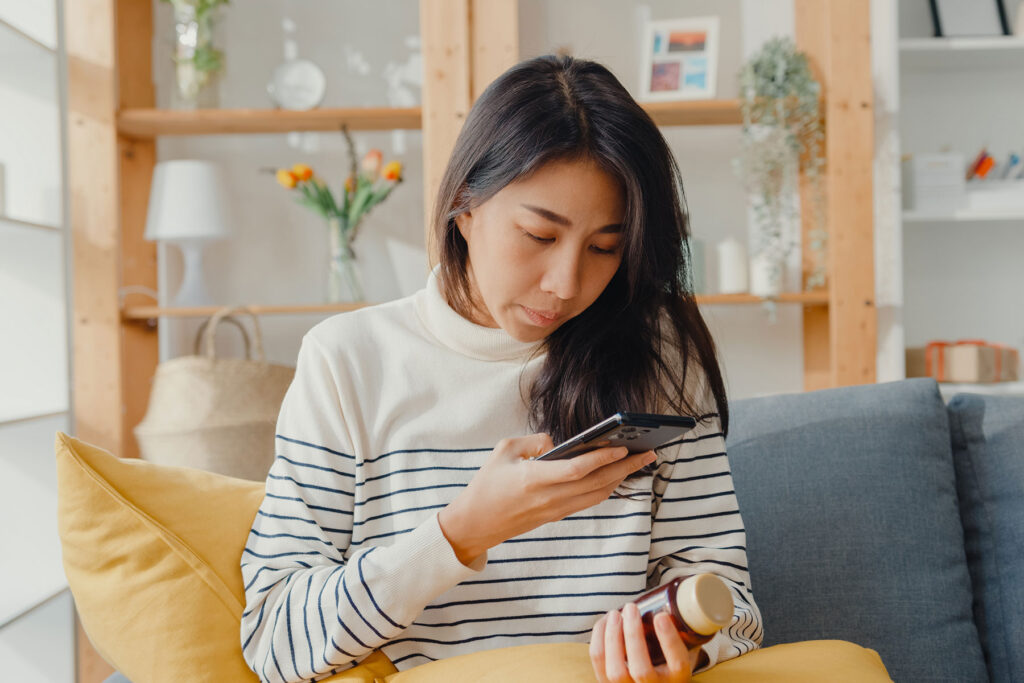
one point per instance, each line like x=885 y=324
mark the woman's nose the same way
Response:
x=562 y=277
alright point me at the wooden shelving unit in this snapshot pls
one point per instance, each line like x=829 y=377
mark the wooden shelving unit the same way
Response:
x=111 y=143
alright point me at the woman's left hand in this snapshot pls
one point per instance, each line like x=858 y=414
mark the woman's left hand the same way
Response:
x=618 y=650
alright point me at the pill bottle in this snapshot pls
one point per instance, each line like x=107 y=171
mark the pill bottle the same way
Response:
x=699 y=605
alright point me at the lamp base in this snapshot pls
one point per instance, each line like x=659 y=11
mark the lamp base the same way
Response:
x=193 y=288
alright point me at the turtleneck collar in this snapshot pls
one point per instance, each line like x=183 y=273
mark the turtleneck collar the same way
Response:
x=464 y=336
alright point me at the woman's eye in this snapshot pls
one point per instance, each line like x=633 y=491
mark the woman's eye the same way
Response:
x=606 y=252
x=538 y=238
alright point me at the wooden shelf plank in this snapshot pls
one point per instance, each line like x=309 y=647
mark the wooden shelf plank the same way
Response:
x=149 y=312
x=695 y=112
x=148 y=123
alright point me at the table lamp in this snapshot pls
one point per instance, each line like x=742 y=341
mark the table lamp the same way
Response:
x=188 y=206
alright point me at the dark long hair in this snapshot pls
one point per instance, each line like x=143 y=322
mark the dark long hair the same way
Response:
x=638 y=344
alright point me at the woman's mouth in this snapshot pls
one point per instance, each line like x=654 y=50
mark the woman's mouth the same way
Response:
x=541 y=318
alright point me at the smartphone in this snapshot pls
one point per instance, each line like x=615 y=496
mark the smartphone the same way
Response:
x=638 y=432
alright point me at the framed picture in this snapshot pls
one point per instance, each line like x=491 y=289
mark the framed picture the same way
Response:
x=952 y=18
x=680 y=59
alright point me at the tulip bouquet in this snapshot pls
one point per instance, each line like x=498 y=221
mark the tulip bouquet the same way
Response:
x=367 y=185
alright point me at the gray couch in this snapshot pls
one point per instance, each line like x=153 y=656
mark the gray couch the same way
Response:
x=877 y=515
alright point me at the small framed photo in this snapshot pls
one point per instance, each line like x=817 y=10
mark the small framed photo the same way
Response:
x=954 y=18
x=680 y=59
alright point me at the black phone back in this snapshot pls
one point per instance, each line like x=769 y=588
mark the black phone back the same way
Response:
x=638 y=432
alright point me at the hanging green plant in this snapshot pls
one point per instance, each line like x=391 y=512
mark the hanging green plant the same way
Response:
x=783 y=136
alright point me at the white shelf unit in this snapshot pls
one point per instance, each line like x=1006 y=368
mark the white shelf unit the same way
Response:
x=959 y=275
x=962 y=53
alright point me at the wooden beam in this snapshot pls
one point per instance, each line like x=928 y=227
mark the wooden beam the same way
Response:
x=138 y=256
x=836 y=35
x=89 y=35
x=445 y=39
x=495 y=40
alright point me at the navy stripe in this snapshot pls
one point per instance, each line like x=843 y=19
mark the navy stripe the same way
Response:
x=516 y=598
x=273 y=652
x=266 y=569
x=337 y=601
x=576 y=538
x=313 y=445
x=686 y=538
x=703 y=497
x=589 y=517
x=415 y=654
x=693 y=440
x=359 y=567
x=566 y=557
x=259 y=620
x=493 y=635
x=288 y=629
x=554 y=576
x=315 y=467
x=417 y=469
x=558 y=615
x=424 y=450
x=254 y=532
x=311 y=507
x=355 y=609
x=261 y=513
x=673 y=480
x=308 y=486
x=658 y=520
x=320 y=608
x=275 y=555
x=687 y=461
x=418 y=488
x=398 y=512
x=305 y=623
x=337 y=647
x=721 y=562
x=373 y=538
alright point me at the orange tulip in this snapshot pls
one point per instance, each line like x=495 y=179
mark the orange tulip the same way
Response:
x=371 y=162
x=286 y=178
x=302 y=171
x=393 y=171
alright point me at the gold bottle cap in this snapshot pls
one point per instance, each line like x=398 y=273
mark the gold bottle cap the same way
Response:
x=705 y=603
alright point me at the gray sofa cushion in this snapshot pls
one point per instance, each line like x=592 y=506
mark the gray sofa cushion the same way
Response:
x=988 y=450
x=853 y=532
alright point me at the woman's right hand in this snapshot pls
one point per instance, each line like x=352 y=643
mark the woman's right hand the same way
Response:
x=511 y=494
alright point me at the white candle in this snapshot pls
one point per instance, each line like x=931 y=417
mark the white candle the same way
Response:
x=765 y=275
x=732 y=267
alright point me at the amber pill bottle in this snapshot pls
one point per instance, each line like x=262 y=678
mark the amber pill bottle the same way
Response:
x=699 y=605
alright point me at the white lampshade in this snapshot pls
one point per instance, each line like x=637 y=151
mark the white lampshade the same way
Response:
x=187 y=201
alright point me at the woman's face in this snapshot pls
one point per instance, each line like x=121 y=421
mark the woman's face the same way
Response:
x=543 y=248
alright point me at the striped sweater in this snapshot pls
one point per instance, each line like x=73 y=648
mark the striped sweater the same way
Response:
x=392 y=410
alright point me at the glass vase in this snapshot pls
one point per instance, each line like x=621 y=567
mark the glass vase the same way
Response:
x=344 y=284
x=197 y=63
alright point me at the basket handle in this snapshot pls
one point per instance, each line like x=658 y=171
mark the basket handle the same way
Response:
x=211 y=329
x=226 y=319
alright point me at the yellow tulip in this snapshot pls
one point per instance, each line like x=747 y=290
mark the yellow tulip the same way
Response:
x=302 y=171
x=286 y=178
x=393 y=171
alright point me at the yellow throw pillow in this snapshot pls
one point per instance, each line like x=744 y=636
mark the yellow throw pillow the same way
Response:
x=152 y=555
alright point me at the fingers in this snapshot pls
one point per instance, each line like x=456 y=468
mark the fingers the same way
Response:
x=677 y=657
x=615 y=649
x=637 y=657
x=597 y=649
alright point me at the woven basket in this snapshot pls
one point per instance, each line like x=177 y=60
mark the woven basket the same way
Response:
x=215 y=414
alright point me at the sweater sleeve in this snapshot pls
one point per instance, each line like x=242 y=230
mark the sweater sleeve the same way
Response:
x=313 y=607
x=697 y=528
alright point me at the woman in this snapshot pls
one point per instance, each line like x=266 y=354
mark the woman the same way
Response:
x=392 y=521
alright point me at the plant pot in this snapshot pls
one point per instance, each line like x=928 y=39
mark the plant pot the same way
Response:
x=344 y=283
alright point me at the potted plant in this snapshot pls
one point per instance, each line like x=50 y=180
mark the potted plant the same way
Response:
x=197 y=62
x=783 y=136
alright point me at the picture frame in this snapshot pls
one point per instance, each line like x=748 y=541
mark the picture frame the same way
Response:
x=680 y=59
x=974 y=18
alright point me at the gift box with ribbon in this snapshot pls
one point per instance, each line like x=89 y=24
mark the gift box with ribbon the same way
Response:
x=965 y=360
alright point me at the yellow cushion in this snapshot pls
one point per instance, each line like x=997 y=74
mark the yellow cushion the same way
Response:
x=151 y=555
x=814 y=661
